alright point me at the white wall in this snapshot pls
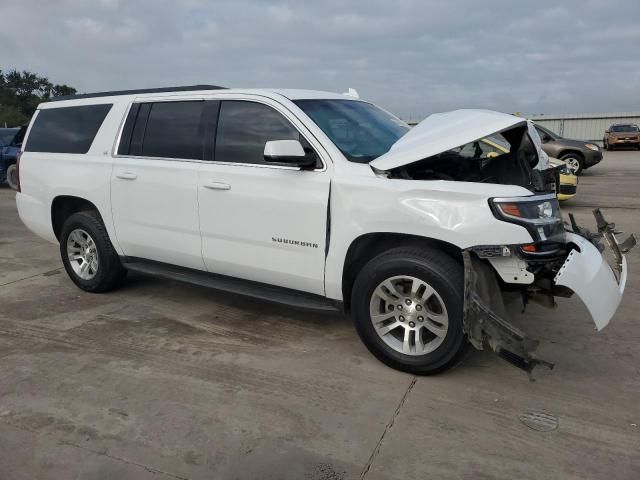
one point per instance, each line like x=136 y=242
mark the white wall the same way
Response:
x=589 y=127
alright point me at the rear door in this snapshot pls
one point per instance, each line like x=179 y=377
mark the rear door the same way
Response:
x=153 y=182
x=259 y=221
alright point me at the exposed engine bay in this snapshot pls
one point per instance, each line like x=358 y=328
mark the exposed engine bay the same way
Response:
x=507 y=157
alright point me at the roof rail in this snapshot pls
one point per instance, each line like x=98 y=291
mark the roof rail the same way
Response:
x=184 y=88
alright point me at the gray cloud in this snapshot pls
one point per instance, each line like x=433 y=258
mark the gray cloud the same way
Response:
x=412 y=57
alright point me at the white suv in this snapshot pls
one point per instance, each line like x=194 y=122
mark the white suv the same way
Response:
x=316 y=200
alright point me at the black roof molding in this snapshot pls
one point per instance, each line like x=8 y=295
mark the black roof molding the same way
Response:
x=184 y=88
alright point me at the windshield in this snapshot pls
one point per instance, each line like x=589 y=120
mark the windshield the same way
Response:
x=360 y=130
x=624 y=128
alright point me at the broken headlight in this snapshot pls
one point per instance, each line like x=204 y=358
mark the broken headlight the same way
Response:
x=539 y=214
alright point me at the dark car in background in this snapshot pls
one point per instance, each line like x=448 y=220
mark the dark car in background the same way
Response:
x=625 y=135
x=10 y=143
x=6 y=135
x=577 y=154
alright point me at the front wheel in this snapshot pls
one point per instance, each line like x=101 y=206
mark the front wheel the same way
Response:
x=407 y=308
x=574 y=161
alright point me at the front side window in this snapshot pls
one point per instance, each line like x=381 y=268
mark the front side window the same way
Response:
x=173 y=130
x=360 y=130
x=244 y=128
x=67 y=129
x=546 y=135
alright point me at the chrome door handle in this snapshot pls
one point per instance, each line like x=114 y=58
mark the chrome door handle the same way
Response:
x=127 y=175
x=217 y=185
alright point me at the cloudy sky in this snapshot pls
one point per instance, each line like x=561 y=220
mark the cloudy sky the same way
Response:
x=412 y=57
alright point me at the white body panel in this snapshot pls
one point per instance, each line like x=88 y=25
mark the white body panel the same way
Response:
x=591 y=278
x=155 y=210
x=45 y=176
x=245 y=227
x=452 y=212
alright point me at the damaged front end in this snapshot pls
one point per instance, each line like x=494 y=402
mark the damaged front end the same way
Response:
x=578 y=269
x=481 y=147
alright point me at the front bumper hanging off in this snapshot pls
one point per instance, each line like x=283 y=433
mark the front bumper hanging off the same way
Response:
x=585 y=272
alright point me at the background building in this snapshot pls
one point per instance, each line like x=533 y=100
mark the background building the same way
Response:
x=584 y=126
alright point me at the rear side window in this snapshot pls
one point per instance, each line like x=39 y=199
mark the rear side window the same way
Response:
x=66 y=130
x=244 y=128
x=174 y=130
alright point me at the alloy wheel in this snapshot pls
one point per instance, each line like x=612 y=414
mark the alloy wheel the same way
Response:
x=573 y=164
x=409 y=315
x=83 y=254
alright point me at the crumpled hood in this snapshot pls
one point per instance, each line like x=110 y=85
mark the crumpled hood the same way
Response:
x=441 y=132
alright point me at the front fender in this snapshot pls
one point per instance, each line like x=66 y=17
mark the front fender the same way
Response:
x=456 y=213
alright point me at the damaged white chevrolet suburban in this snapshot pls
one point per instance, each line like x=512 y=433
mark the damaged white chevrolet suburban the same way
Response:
x=322 y=201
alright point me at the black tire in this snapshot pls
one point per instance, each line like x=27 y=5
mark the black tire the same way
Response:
x=605 y=145
x=577 y=157
x=110 y=274
x=443 y=274
x=12 y=176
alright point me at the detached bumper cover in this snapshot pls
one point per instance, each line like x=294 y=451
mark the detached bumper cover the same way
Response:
x=591 y=278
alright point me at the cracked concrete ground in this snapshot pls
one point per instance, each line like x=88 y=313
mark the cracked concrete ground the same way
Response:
x=171 y=381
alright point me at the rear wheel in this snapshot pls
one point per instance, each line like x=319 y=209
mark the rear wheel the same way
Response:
x=574 y=161
x=407 y=308
x=12 y=176
x=88 y=255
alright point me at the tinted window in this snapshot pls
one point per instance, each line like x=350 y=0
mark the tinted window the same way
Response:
x=66 y=130
x=546 y=135
x=624 y=128
x=174 y=130
x=244 y=128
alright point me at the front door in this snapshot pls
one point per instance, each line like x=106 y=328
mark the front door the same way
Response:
x=262 y=222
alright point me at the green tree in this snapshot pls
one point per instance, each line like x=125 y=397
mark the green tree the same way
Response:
x=21 y=92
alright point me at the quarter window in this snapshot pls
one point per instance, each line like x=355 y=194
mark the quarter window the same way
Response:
x=67 y=129
x=244 y=128
x=174 y=130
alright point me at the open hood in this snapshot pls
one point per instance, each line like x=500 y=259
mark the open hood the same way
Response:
x=441 y=132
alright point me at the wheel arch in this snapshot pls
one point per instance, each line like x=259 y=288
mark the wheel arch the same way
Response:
x=567 y=151
x=369 y=245
x=63 y=206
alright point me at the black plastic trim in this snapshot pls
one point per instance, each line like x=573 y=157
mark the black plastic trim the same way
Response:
x=262 y=291
x=127 y=131
x=184 y=88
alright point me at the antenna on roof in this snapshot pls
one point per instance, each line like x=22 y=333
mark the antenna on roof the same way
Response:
x=352 y=92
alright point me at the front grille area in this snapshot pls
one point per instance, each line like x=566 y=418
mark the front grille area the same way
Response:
x=568 y=189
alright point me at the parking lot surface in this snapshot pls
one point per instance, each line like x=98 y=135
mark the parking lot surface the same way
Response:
x=166 y=380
